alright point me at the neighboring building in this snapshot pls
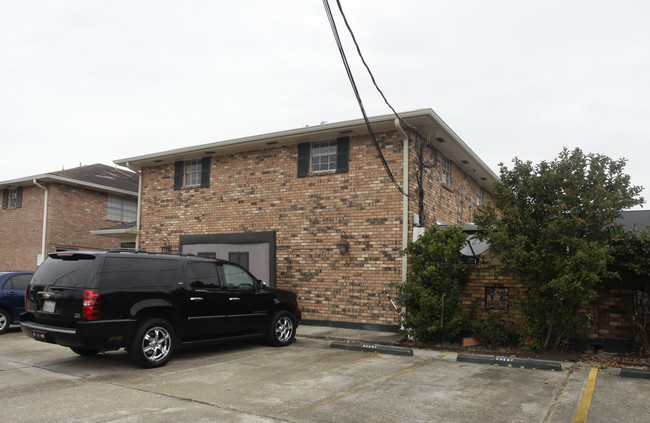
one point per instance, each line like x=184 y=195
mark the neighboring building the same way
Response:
x=634 y=220
x=56 y=211
x=313 y=209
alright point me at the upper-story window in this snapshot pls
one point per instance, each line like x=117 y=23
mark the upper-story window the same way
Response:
x=323 y=156
x=446 y=170
x=121 y=209
x=12 y=198
x=479 y=196
x=192 y=173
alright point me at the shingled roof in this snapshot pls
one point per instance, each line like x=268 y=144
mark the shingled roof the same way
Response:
x=97 y=176
x=634 y=220
x=102 y=175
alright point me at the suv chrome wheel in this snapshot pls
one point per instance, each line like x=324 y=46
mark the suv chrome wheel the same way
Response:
x=282 y=329
x=153 y=344
x=156 y=344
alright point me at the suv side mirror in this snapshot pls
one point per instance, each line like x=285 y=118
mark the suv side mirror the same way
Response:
x=261 y=284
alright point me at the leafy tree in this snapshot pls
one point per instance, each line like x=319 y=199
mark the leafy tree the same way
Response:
x=430 y=294
x=551 y=224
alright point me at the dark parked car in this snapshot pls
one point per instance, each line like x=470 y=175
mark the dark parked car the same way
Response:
x=12 y=297
x=149 y=303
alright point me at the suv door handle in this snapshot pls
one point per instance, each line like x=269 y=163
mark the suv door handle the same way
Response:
x=196 y=299
x=234 y=299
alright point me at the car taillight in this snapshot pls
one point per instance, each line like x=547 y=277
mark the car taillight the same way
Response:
x=90 y=310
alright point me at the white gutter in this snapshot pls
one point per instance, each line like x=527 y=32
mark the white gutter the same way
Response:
x=139 y=209
x=45 y=209
x=405 y=198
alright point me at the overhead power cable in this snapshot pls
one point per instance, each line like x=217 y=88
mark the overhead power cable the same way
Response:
x=372 y=77
x=328 y=11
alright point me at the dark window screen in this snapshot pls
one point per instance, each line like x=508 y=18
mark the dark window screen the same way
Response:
x=133 y=272
x=241 y=258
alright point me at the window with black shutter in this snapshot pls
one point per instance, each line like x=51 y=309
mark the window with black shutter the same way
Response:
x=191 y=173
x=12 y=198
x=323 y=156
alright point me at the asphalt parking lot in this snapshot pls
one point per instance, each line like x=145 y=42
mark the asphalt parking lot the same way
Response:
x=306 y=382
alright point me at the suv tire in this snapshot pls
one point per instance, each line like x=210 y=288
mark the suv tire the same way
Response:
x=282 y=330
x=153 y=344
x=5 y=321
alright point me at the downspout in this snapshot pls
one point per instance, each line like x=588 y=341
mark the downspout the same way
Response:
x=405 y=198
x=139 y=210
x=45 y=209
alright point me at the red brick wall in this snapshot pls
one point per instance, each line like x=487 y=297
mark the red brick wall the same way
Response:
x=482 y=277
x=72 y=214
x=21 y=232
x=259 y=191
x=611 y=311
x=453 y=204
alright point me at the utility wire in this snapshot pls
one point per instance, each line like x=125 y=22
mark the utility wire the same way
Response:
x=372 y=77
x=328 y=11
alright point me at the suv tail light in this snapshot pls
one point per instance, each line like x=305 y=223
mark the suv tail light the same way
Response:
x=90 y=310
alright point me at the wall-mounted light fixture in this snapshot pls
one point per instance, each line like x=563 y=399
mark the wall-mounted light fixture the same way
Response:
x=343 y=245
x=166 y=246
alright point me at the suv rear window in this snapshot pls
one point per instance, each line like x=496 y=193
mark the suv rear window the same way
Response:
x=133 y=272
x=68 y=271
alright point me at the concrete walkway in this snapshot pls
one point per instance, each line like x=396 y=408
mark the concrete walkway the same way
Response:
x=360 y=335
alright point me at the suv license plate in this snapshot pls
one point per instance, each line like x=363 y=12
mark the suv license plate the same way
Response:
x=49 y=306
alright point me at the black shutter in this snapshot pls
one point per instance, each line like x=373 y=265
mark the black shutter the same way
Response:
x=205 y=172
x=5 y=198
x=178 y=175
x=303 y=159
x=342 y=154
x=19 y=197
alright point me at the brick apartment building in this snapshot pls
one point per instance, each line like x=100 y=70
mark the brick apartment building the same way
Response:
x=313 y=209
x=58 y=210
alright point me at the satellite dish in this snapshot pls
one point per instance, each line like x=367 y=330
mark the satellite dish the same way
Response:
x=475 y=247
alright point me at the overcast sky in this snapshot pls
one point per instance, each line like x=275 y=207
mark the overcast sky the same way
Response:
x=91 y=81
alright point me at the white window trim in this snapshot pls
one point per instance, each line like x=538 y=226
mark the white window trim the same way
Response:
x=331 y=166
x=12 y=201
x=446 y=170
x=192 y=172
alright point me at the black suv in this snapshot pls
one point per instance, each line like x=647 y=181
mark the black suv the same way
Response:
x=149 y=302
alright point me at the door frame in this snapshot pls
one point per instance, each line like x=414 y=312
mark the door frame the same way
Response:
x=268 y=237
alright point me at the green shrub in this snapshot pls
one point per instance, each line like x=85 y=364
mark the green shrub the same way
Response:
x=430 y=295
x=492 y=331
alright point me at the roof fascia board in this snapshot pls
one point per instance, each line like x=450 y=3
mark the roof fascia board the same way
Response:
x=461 y=144
x=48 y=177
x=298 y=135
x=292 y=134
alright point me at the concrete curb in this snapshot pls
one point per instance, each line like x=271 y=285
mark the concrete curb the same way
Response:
x=382 y=349
x=635 y=373
x=510 y=362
